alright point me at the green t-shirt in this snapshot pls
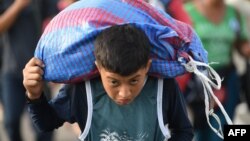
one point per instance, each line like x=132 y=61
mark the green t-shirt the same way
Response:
x=136 y=121
x=217 y=39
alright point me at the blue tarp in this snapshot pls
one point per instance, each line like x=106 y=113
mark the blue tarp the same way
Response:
x=66 y=46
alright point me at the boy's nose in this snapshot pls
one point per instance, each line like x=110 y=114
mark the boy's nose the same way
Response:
x=125 y=92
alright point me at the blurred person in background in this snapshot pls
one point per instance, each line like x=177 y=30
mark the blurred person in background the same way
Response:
x=222 y=30
x=243 y=64
x=21 y=32
x=7 y=18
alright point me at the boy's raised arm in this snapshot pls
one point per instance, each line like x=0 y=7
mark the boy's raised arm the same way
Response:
x=43 y=115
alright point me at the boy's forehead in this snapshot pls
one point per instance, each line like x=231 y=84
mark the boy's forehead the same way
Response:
x=110 y=74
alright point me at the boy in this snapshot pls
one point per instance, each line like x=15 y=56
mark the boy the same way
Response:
x=124 y=106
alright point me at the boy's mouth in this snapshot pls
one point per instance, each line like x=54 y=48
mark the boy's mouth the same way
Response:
x=123 y=101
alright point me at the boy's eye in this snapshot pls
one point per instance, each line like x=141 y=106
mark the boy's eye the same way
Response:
x=114 y=82
x=133 y=82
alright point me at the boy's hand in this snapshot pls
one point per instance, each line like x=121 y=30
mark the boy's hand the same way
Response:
x=32 y=78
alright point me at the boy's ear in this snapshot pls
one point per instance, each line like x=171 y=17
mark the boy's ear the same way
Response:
x=149 y=64
x=97 y=65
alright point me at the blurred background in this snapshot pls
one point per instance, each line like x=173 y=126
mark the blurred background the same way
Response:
x=222 y=25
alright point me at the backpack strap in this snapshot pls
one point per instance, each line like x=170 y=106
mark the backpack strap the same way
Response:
x=90 y=111
x=164 y=129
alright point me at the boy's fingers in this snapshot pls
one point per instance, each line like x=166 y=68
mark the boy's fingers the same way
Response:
x=35 y=69
x=34 y=76
x=31 y=83
x=35 y=62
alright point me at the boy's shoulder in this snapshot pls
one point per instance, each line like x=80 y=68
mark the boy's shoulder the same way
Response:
x=167 y=81
x=170 y=85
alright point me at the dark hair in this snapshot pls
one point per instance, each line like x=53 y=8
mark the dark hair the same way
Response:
x=122 y=49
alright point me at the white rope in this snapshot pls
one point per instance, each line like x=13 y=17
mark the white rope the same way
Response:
x=191 y=66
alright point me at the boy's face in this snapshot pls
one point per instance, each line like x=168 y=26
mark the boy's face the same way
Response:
x=123 y=89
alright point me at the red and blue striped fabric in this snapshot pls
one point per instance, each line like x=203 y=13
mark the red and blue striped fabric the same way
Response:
x=66 y=46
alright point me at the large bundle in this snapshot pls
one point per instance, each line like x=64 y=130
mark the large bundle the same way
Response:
x=66 y=46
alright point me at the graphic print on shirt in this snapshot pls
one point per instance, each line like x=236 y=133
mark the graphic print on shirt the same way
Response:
x=108 y=135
